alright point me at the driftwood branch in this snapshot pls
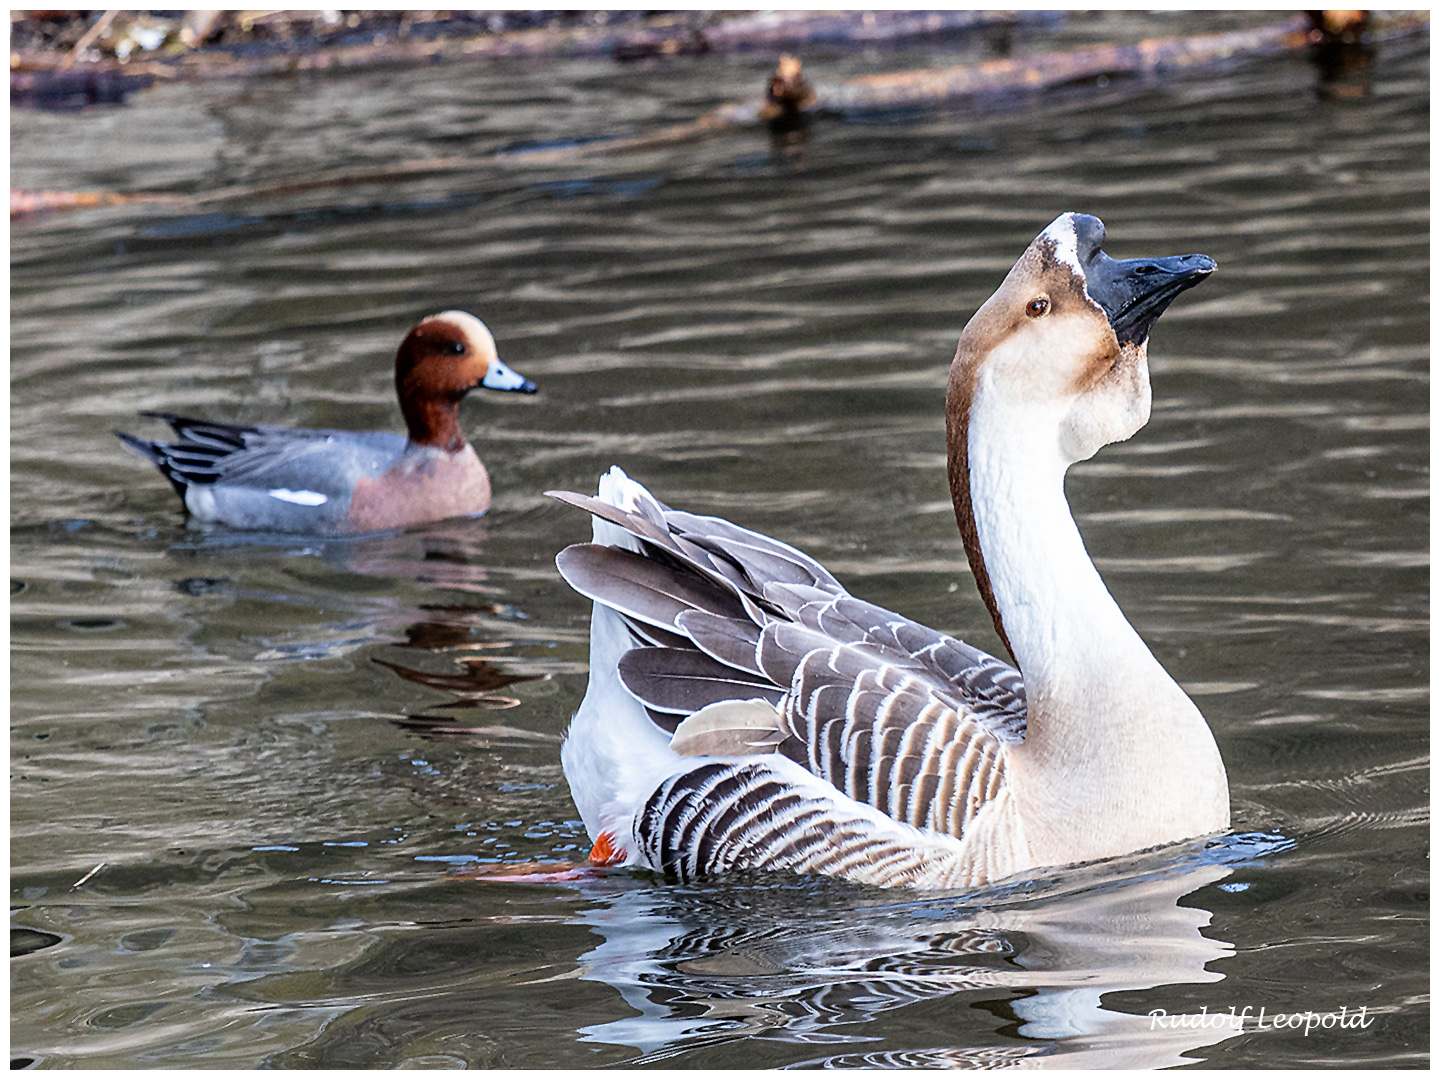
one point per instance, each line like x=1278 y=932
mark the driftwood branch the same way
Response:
x=101 y=25
x=788 y=97
x=683 y=34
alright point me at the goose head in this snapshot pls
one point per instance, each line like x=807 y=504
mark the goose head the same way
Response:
x=1062 y=342
x=1051 y=368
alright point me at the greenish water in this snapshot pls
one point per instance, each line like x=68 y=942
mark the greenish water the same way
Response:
x=295 y=758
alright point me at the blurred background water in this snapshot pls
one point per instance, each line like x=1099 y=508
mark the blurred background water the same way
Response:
x=296 y=759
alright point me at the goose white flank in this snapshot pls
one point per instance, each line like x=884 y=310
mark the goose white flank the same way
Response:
x=274 y=478
x=745 y=712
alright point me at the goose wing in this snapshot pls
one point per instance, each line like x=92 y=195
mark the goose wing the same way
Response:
x=747 y=645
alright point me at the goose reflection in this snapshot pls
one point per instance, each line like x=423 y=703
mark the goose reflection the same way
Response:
x=1028 y=969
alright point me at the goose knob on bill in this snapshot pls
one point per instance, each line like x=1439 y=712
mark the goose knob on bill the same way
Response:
x=745 y=712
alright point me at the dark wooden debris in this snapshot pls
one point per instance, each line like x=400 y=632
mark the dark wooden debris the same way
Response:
x=1342 y=41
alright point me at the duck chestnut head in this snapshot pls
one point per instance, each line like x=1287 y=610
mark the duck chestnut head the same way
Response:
x=441 y=360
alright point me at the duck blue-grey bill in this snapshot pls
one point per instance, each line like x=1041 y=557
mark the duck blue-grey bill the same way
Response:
x=500 y=377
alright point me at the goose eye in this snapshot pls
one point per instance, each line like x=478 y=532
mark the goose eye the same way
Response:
x=1037 y=307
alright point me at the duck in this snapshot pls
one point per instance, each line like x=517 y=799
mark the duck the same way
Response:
x=745 y=713
x=332 y=482
x=787 y=94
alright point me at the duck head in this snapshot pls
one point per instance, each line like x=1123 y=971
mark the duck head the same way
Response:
x=1064 y=339
x=441 y=360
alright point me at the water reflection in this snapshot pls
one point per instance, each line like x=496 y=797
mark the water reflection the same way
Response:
x=458 y=648
x=446 y=558
x=704 y=967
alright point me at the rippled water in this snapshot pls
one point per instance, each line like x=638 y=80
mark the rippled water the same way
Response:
x=297 y=759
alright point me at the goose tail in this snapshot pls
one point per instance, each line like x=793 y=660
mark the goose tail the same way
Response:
x=614 y=755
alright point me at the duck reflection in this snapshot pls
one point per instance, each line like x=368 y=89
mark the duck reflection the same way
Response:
x=446 y=555
x=1028 y=971
x=429 y=611
x=474 y=679
x=274 y=568
x=447 y=632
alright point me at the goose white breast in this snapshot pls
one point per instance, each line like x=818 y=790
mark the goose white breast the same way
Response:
x=745 y=712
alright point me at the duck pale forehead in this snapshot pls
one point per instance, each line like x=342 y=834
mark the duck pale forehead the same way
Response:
x=471 y=328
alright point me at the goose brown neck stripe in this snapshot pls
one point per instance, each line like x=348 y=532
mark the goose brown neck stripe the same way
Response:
x=959 y=396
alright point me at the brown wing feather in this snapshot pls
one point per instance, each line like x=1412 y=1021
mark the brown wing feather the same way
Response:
x=686 y=680
x=892 y=713
x=642 y=587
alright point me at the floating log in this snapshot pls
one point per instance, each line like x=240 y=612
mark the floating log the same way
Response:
x=34 y=202
x=935 y=87
x=673 y=35
x=788 y=96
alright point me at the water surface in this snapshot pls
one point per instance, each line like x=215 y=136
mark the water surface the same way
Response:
x=296 y=757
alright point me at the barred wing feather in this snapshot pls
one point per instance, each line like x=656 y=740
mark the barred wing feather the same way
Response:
x=888 y=713
x=757 y=814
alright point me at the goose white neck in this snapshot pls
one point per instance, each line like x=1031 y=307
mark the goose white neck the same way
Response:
x=1066 y=631
x=1115 y=753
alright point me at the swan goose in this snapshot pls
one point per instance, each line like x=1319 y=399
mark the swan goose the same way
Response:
x=744 y=712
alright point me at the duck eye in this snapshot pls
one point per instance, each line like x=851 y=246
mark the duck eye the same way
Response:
x=1037 y=307
x=457 y=347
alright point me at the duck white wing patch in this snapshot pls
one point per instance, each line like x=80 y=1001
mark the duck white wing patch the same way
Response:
x=212 y=453
x=299 y=498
